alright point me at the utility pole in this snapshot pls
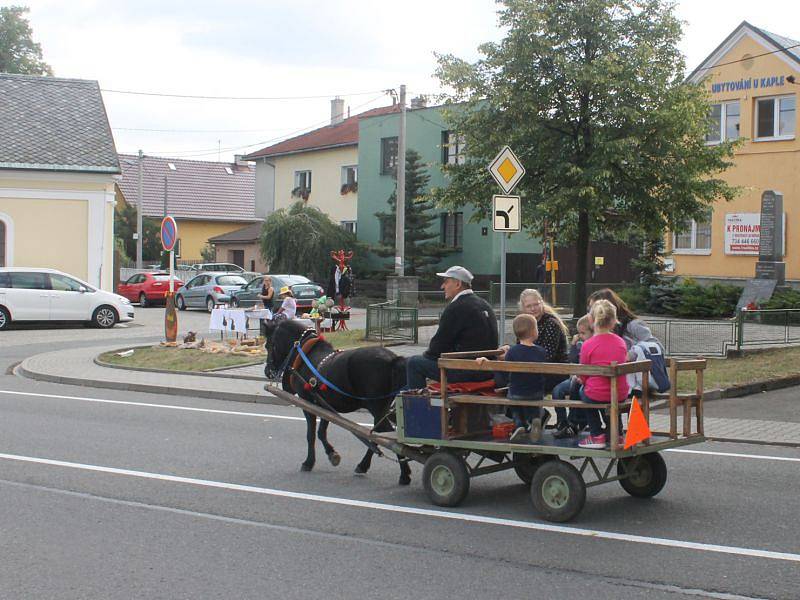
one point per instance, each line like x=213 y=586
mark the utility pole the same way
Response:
x=139 y=210
x=400 y=205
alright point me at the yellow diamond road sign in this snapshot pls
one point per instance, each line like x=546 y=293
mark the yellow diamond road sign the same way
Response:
x=506 y=169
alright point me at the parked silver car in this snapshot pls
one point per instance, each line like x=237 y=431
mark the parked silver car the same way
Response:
x=208 y=289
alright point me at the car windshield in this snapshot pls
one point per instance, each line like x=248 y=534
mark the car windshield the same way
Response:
x=231 y=280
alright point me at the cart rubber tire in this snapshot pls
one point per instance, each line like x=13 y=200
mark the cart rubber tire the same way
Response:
x=143 y=300
x=180 y=303
x=646 y=474
x=558 y=491
x=531 y=462
x=446 y=479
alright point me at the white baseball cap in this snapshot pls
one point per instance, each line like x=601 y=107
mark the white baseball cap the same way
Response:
x=456 y=272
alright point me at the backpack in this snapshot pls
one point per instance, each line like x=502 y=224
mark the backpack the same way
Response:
x=658 y=365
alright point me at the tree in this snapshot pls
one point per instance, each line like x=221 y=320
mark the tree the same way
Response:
x=591 y=96
x=18 y=52
x=300 y=239
x=208 y=253
x=125 y=227
x=423 y=249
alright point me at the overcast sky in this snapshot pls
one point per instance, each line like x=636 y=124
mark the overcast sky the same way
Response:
x=273 y=48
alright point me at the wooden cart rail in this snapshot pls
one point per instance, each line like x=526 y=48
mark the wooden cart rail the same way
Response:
x=617 y=405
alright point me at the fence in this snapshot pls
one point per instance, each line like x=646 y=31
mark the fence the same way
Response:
x=387 y=321
x=564 y=292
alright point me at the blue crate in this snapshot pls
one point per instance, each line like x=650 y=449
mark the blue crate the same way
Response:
x=420 y=419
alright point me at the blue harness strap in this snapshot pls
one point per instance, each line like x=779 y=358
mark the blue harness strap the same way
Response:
x=331 y=385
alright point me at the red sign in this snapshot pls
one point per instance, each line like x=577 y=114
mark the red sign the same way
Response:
x=169 y=233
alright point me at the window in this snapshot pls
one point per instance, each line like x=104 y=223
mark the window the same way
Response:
x=694 y=237
x=453 y=148
x=2 y=244
x=349 y=226
x=302 y=184
x=229 y=171
x=723 y=122
x=453 y=229
x=387 y=233
x=776 y=117
x=61 y=283
x=29 y=281
x=349 y=179
x=388 y=155
x=5 y=280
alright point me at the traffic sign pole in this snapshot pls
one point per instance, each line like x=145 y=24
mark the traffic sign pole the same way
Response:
x=502 y=324
x=169 y=236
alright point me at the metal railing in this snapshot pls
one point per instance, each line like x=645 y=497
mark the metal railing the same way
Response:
x=388 y=322
x=768 y=327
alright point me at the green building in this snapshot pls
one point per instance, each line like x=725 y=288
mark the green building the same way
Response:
x=475 y=245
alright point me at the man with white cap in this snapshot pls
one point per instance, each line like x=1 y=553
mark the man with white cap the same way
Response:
x=467 y=324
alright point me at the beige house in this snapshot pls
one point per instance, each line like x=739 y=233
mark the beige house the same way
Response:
x=58 y=168
x=241 y=248
x=319 y=168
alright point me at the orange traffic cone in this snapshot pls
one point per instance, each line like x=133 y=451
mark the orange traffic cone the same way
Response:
x=638 y=430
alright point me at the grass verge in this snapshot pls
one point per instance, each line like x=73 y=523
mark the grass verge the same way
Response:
x=174 y=359
x=751 y=368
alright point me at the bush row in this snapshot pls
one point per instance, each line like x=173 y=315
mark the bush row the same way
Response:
x=686 y=299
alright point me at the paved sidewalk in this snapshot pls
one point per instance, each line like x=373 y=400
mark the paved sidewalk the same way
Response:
x=245 y=384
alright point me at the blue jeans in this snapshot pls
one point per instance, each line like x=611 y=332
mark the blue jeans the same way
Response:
x=568 y=389
x=523 y=415
x=419 y=368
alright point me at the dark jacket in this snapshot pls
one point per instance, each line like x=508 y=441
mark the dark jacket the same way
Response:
x=468 y=323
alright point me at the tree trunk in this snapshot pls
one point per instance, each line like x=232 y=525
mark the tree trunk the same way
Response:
x=581 y=258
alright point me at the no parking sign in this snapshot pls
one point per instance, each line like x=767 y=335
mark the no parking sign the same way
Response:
x=169 y=233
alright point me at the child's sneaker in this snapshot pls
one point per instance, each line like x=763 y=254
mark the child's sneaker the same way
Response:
x=535 y=432
x=593 y=441
x=518 y=435
x=567 y=430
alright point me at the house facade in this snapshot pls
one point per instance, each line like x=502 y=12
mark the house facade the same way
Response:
x=241 y=247
x=58 y=169
x=206 y=198
x=319 y=168
x=752 y=79
x=474 y=245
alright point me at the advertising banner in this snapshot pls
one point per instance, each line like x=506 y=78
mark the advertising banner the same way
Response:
x=743 y=232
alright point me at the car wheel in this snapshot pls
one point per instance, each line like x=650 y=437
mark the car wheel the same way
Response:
x=142 y=300
x=210 y=304
x=180 y=303
x=5 y=319
x=105 y=317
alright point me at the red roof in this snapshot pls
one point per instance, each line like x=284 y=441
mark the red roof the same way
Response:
x=330 y=136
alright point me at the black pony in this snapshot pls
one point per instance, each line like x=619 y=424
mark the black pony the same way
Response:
x=369 y=377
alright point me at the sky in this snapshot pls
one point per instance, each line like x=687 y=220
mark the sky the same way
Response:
x=314 y=49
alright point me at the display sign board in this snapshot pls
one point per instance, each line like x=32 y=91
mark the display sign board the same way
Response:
x=755 y=291
x=169 y=233
x=506 y=170
x=743 y=234
x=507 y=213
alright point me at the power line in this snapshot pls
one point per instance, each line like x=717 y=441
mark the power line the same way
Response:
x=733 y=62
x=194 y=130
x=201 y=97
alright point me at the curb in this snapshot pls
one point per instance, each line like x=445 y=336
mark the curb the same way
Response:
x=147 y=388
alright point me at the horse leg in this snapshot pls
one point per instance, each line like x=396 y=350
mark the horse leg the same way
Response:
x=405 y=470
x=364 y=465
x=322 y=434
x=311 y=425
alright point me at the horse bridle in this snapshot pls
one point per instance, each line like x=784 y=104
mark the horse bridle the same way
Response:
x=310 y=331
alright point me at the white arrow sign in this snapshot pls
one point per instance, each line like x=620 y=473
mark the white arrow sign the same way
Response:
x=506 y=213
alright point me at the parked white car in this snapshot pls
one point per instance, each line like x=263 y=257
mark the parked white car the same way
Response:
x=50 y=295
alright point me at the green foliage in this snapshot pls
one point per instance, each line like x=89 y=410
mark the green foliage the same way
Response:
x=785 y=299
x=300 y=239
x=650 y=262
x=591 y=96
x=125 y=227
x=18 y=52
x=423 y=249
x=208 y=253
x=635 y=297
x=687 y=299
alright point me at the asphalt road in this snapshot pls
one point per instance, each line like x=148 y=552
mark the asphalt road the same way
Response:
x=122 y=495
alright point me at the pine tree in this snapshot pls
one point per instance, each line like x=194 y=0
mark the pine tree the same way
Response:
x=423 y=248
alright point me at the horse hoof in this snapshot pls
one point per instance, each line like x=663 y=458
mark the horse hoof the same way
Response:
x=360 y=470
x=334 y=458
x=306 y=468
x=405 y=480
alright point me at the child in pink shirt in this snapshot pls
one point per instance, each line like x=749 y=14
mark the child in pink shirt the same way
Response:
x=603 y=348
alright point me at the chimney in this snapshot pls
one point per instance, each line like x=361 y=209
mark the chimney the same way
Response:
x=419 y=102
x=237 y=158
x=337 y=110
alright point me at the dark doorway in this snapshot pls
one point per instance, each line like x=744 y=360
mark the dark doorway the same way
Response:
x=237 y=258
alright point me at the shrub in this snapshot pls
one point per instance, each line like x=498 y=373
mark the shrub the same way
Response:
x=636 y=297
x=787 y=298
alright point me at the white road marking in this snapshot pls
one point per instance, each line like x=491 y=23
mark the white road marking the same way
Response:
x=440 y=514
x=290 y=418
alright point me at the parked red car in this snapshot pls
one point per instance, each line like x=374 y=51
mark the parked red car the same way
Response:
x=147 y=288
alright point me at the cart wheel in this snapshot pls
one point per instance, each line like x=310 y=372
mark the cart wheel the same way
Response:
x=528 y=463
x=558 y=491
x=645 y=475
x=446 y=479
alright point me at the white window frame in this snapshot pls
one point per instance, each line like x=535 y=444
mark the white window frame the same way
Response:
x=298 y=175
x=776 y=119
x=9 y=247
x=350 y=226
x=722 y=124
x=694 y=249
x=453 y=148
x=345 y=169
